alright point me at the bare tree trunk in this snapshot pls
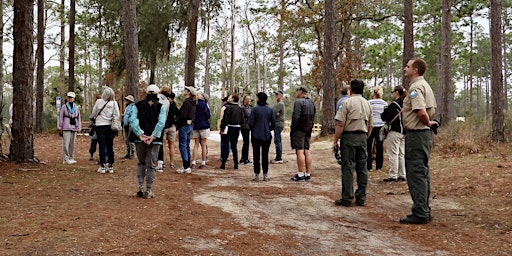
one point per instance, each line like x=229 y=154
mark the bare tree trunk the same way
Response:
x=471 y=68
x=72 y=14
x=191 y=49
x=62 y=52
x=207 y=91
x=497 y=73
x=131 y=47
x=408 y=37
x=505 y=61
x=329 y=80
x=299 y=57
x=23 y=70
x=280 y=42
x=1 y=47
x=40 y=67
x=447 y=105
x=224 y=68
x=100 y=55
x=232 y=67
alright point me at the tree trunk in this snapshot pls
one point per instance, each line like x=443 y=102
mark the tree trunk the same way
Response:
x=62 y=50
x=72 y=14
x=207 y=55
x=408 y=37
x=1 y=47
x=131 y=47
x=23 y=70
x=447 y=105
x=191 y=49
x=471 y=68
x=40 y=67
x=497 y=74
x=232 y=67
x=329 y=81
x=280 y=42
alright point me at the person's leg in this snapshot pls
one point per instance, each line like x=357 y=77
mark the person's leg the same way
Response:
x=307 y=156
x=224 y=142
x=66 y=137
x=379 y=160
x=301 y=160
x=369 y=145
x=126 y=135
x=245 y=146
x=189 y=135
x=256 y=144
x=348 y=163
x=71 y=149
x=141 y=166
x=102 y=144
x=393 y=149
x=110 y=147
x=171 y=139
x=361 y=169
x=233 y=141
x=203 y=152
x=401 y=158
x=160 y=159
x=265 y=146
x=278 y=143
x=182 y=138
x=196 y=147
x=151 y=162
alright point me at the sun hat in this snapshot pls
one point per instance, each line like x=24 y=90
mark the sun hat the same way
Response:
x=129 y=98
x=191 y=89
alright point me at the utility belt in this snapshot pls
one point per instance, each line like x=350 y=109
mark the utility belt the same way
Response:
x=354 y=132
x=418 y=130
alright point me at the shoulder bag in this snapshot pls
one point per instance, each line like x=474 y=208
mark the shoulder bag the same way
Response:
x=384 y=130
x=116 y=123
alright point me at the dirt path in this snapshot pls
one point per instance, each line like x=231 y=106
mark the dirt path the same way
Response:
x=73 y=210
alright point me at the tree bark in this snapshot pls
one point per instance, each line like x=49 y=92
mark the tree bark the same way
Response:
x=191 y=49
x=232 y=67
x=1 y=47
x=447 y=105
x=329 y=81
x=131 y=47
x=497 y=99
x=23 y=70
x=72 y=14
x=207 y=55
x=40 y=67
x=280 y=42
x=408 y=38
x=62 y=50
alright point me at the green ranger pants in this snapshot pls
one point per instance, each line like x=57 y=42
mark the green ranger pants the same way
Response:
x=353 y=156
x=418 y=145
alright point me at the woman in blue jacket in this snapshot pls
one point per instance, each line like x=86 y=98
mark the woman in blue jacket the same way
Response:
x=201 y=130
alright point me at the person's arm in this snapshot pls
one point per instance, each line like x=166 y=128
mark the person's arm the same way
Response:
x=157 y=133
x=60 y=123
x=424 y=117
x=207 y=110
x=134 y=123
x=295 y=115
x=272 y=120
x=251 y=120
x=79 y=119
x=338 y=130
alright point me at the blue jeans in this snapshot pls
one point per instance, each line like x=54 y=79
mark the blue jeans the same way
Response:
x=184 y=142
x=277 y=141
x=106 y=143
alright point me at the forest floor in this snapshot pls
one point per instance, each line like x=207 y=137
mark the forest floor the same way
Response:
x=56 y=209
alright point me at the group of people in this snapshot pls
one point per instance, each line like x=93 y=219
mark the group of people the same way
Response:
x=410 y=139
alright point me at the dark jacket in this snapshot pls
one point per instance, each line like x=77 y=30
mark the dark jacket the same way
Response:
x=187 y=112
x=202 y=115
x=148 y=117
x=303 y=117
x=172 y=114
x=261 y=121
x=233 y=115
x=247 y=114
x=390 y=112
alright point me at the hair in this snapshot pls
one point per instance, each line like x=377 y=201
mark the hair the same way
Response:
x=377 y=90
x=235 y=97
x=344 y=90
x=108 y=94
x=166 y=91
x=262 y=98
x=243 y=99
x=420 y=65
x=400 y=90
x=357 y=86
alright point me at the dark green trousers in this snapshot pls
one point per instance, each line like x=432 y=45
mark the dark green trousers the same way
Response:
x=353 y=155
x=418 y=145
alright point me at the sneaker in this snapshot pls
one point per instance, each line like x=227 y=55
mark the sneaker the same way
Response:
x=256 y=178
x=66 y=162
x=91 y=158
x=401 y=179
x=149 y=194
x=248 y=162
x=193 y=166
x=110 y=168
x=296 y=177
x=202 y=166
x=188 y=170
x=389 y=179
x=307 y=178
x=276 y=161
x=102 y=169
x=159 y=169
x=180 y=170
x=242 y=161
x=72 y=161
x=140 y=193
x=266 y=178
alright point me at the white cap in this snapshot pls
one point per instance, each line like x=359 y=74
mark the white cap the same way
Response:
x=152 y=89
x=71 y=94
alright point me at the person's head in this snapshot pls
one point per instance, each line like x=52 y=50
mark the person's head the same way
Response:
x=279 y=95
x=398 y=92
x=377 y=92
x=71 y=96
x=246 y=100
x=233 y=98
x=166 y=91
x=200 y=96
x=129 y=99
x=261 y=98
x=189 y=91
x=108 y=94
x=357 y=86
x=301 y=91
x=344 y=90
x=415 y=67
x=225 y=100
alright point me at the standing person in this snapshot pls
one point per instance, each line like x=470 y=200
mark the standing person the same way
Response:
x=261 y=121
x=163 y=96
x=184 y=123
x=246 y=107
x=201 y=130
x=170 y=127
x=70 y=123
x=230 y=126
x=279 y=112
x=130 y=146
x=353 y=123
x=147 y=122
x=395 y=140
x=419 y=108
x=222 y=109
x=105 y=110
x=303 y=120
x=344 y=96
x=378 y=105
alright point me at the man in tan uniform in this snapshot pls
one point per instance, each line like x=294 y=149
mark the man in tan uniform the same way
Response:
x=353 y=123
x=418 y=110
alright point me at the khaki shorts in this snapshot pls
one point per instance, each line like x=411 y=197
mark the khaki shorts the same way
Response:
x=201 y=134
x=300 y=140
x=170 y=133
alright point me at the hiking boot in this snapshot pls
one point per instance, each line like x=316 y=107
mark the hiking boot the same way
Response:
x=413 y=219
x=276 y=161
x=110 y=168
x=91 y=158
x=343 y=203
x=140 y=193
x=256 y=178
x=149 y=194
x=296 y=177
x=102 y=169
x=266 y=178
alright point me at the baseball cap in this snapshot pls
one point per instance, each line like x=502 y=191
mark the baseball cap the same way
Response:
x=152 y=89
x=191 y=89
x=279 y=92
x=302 y=88
x=71 y=94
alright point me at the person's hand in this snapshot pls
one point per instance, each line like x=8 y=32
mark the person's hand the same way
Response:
x=60 y=133
x=335 y=144
x=149 y=140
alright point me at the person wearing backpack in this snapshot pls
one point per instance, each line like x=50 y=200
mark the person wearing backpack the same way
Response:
x=395 y=140
x=69 y=124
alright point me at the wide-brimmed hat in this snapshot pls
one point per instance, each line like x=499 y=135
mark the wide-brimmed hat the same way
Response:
x=129 y=98
x=279 y=92
x=191 y=89
x=71 y=94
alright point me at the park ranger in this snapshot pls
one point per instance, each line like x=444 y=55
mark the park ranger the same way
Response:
x=354 y=122
x=418 y=110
